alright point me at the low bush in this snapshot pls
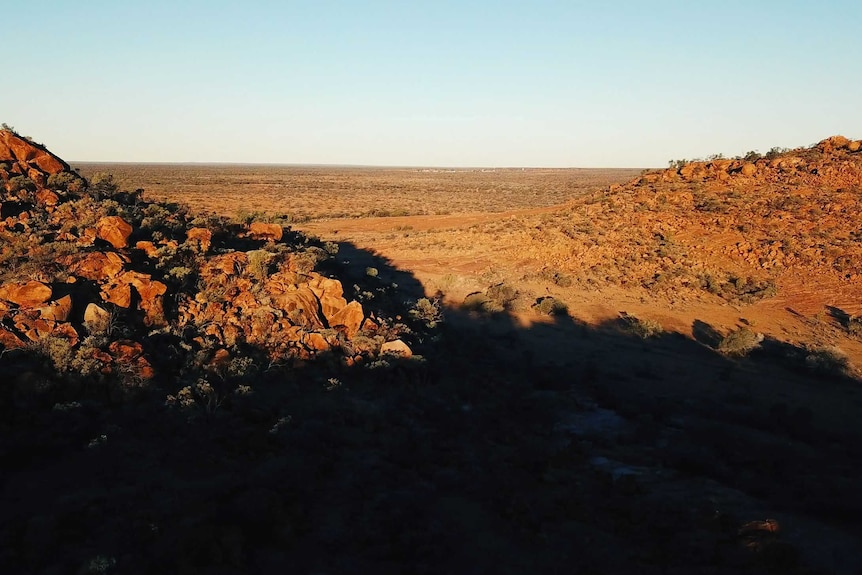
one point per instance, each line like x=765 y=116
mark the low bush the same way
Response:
x=642 y=328
x=500 y=297
x=549 y=305
x=739 y=342
x=427 y=311
x=828 y=361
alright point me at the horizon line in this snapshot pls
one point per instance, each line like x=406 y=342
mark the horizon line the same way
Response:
x=367 y=166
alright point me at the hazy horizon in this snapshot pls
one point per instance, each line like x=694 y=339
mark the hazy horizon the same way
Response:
x=550 y=84
x=356 y=166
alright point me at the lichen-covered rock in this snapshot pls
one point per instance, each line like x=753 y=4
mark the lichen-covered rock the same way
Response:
x=150 y=292
x=47 y=198
x=229 y=264
x=9 y=340
x=748 y=169
x=149 y=248
x=833 y=143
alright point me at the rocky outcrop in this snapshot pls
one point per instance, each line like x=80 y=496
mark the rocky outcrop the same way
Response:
x=28 y=158
x=27 y=294
x=826 y=163
x=225 y=286
x=284 y=314
x=58 y=310
x=114 y=230
x=265 y=232
x=97 y=266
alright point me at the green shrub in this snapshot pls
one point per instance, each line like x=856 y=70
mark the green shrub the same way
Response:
x=57 y=351
x=246 y=217
x=102 y=185
x=854 y=326
x=736 y=289
x=775 y=152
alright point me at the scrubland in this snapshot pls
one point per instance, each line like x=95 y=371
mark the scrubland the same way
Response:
x=408 y=370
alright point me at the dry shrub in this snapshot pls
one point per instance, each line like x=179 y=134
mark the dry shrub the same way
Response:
x=475 y=301
x=549 y=305
x=258 y=264
x=828 y=361
x=500 y=297
x=427 y=311
x=739 y=342
x=642 y=328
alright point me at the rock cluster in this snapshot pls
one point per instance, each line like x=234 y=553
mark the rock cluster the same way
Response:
x=828 y=161
x=102 y=276
x=25 y=158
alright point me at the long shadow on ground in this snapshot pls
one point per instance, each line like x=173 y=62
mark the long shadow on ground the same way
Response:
x=556 y=448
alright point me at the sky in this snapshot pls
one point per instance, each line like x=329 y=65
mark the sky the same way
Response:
x=544 y=83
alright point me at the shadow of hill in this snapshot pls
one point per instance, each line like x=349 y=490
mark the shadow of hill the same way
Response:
x=553 y=448
x=370 y=269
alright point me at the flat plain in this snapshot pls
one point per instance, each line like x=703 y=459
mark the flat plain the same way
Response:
x=323 y=192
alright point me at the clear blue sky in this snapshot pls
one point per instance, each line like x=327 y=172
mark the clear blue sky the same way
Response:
x=481 y=83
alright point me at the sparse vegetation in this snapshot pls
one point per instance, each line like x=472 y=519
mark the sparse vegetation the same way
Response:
x=549 y=305
x=500 y=297
x=427 y=311
x=642 y=328
x=739 y=342
x=828 y=361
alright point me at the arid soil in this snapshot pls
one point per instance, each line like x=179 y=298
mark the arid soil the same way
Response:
x=301 y=193
x=511 y=371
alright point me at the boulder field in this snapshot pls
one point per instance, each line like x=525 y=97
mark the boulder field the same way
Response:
x=103 y=273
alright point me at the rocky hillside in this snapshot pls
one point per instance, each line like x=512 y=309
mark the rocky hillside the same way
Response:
x=740 y=229
x=113 y=290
